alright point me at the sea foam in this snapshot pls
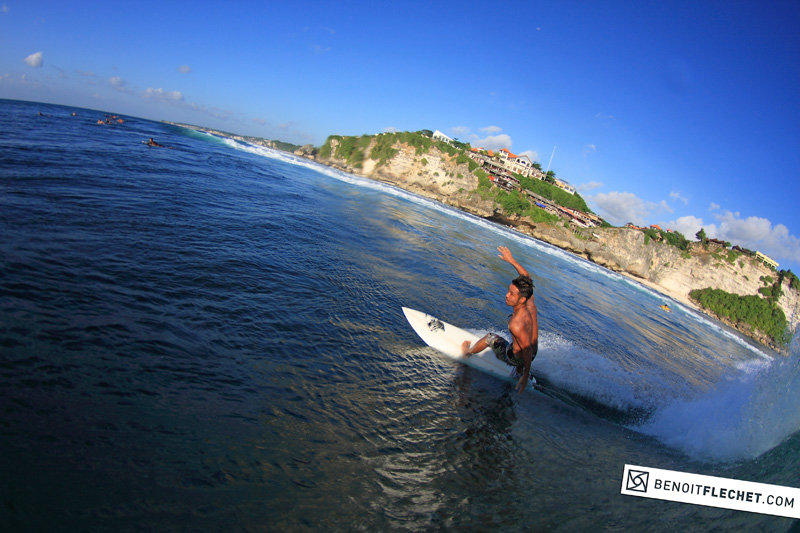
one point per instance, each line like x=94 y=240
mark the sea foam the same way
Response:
x=742 y=417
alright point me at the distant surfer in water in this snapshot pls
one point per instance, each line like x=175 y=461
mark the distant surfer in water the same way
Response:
x=523 y=325
x=151 y=142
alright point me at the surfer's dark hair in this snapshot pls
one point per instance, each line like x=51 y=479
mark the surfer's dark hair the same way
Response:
x=525 y=286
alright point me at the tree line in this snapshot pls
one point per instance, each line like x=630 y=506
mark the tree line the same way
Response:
x=762 y=314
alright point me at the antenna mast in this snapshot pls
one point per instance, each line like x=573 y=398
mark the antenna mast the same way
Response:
x=551 y=161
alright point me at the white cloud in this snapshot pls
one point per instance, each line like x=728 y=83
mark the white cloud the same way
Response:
x=35 y=60
x=675 y=195
x=758 y=234
x=605 y=116
x=489 y=130
x=494 y=142
x=319 y=49
x=688 y=226
x=4 y=8
x=588 y=149
x=754 y=233
x=184 y=69
x=714 y=207
x=531 y=154
x=664 y=206
x=161 y=95
x=622 y=207
x=460 y=131
x=16 y=81
x=389 y=129
x=586 y=187
x=119 y=84
x=260 y=121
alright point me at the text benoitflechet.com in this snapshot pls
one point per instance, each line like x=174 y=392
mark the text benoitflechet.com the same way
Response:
x=711 y=491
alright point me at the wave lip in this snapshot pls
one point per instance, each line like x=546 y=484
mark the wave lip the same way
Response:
x=742 y=418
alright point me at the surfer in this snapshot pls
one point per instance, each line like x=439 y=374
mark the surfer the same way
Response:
x=151 y=142
x=523 y=325
x=505 y=255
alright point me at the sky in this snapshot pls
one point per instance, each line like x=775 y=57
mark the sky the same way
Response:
x=684 y=114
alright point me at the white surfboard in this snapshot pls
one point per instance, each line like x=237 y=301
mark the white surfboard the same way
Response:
x=447 y=339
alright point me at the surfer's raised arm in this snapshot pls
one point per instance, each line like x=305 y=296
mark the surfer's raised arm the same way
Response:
x=505 y=255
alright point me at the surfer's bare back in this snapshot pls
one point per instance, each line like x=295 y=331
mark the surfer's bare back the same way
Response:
x=523 y=325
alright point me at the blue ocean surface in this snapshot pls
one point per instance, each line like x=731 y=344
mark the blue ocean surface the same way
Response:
x=208 y=336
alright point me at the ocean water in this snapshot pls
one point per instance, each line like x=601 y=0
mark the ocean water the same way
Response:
x=208 y=336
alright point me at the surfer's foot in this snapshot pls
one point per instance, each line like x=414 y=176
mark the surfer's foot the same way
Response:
x=465 y=349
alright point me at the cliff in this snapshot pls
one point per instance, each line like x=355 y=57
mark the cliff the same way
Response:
x=671 y=271
x=438 y=175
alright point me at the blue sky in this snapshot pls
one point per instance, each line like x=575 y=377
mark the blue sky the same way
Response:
x=682 y=114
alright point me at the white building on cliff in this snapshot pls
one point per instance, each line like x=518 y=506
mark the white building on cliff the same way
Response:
x=519 y=164
x=439 y=136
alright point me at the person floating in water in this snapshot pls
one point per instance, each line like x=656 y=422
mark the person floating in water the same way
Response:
x=523 y=326
x=151 y=142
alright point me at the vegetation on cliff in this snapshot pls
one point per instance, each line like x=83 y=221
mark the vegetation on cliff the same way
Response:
x=794 y=282
x=512 y=203
x=674 y=238
x=555 y=194
x=286 y=147
x=762 y=314
x=354 y=150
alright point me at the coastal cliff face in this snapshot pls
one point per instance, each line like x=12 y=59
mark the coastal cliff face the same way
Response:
x=437 y=175
x=676 y=273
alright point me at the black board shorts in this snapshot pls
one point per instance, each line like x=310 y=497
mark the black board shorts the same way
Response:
x=503 y=350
